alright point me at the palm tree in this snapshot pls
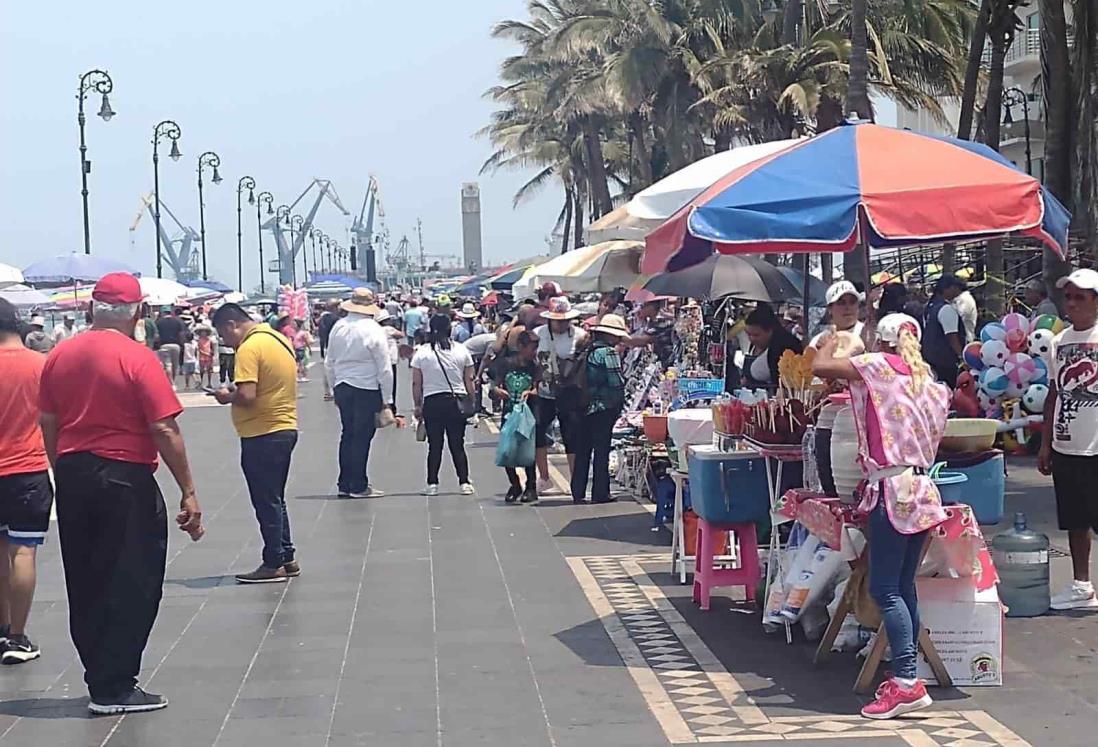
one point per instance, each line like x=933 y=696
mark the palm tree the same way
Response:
x=1056 y=76
x=1085 y=83
x=857 y=90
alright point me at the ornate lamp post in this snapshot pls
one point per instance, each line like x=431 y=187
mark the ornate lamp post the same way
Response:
x=297 y=222
x=1011 y=98
x=248 y=183
x=282 y=215
x=313 y=233
x=166 y=129
x=102 y=83
x=263 y=197
x=211 y=159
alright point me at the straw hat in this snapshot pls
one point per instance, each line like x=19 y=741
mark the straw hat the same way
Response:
x=612 y=324
x=468 y=311
x=560 y=308
x=38 y=321
x=361 y=302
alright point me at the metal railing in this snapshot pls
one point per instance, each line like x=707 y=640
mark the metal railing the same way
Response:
x=1027 y=42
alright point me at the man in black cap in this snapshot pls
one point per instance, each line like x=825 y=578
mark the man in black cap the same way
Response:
x=943 y=332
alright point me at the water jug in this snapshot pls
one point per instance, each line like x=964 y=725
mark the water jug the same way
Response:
x=1021 y=557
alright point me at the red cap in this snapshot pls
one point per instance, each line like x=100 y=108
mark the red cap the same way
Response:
x=118 y=287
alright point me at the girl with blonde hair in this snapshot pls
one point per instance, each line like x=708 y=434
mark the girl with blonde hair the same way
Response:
x=900 y=413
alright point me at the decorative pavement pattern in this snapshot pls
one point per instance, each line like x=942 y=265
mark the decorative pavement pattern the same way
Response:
x=696 y=700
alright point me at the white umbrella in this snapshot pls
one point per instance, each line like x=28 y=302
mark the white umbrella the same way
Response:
x=594 y=269
x=22 y=295
x=10 y=275
x=652 y=206
x=162 y=292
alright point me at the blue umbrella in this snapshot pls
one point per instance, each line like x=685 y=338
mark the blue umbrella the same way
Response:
x=215 y=285
x=505 y=281
x=69 y=268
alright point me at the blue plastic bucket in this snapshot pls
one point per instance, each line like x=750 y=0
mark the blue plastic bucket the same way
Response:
x=952 y=487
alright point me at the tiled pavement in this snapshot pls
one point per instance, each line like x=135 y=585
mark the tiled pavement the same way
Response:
x=462 y=621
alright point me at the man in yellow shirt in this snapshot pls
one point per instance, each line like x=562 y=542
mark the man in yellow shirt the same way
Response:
x=265 y=417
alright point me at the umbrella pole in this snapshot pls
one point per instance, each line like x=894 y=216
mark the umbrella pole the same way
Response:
x=804 y=296
x=869 y=332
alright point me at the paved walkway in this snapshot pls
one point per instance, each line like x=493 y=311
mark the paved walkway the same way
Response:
x=463 y=621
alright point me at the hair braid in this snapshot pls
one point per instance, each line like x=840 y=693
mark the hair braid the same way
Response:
x=912 y=355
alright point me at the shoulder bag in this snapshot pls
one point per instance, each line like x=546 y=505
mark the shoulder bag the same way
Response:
x=467 y=405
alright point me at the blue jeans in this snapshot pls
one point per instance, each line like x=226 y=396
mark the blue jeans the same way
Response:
x=893 y=561
x=266 y=464
x=358 y=409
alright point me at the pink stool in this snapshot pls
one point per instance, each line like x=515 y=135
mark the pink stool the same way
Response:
x=707 y=577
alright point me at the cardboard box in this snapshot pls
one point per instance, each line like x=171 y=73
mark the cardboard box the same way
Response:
x=966 y=626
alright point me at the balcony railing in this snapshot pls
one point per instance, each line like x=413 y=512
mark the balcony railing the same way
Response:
x=1027 y=42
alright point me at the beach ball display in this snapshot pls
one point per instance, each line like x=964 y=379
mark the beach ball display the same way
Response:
x=989 y=405
x=972 y=356
x=1041 y=377
x=994 y=381
x=994 y=353
x=1020 y=369
x=1033 y=400
x=1015 y=321
x=1040 y=343
x=1047 y=321
x=1014 y=390
x=992 y=331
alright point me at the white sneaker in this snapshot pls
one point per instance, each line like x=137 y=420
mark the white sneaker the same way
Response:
x=467 y=488
x=368 y=493
x=547 y=487
x=430 y=490
x=1076 y=595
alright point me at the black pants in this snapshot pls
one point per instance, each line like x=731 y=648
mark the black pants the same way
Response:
x=444 y=421
x=394 y=405
x=114 y=542
x=225 y=365
x=593 y=455
x=265 y=461
x=358 y=409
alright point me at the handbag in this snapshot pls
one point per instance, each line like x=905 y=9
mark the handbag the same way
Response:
x=467 y=405
x=385 y=417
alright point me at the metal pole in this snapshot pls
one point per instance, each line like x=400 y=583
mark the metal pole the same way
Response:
x=1025 y=115
x=201 y=220
x=104 y=85
x=156 y=212
x=245 y=182
x=268 y=198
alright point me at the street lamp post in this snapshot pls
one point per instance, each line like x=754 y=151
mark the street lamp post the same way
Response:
x=297 y=222
x=264 y=197
x=248 y=183
x=282 y=215
x=312 y=238
x=170 y=130
x=211 y=159
x=1012 y=97
x=102 y=83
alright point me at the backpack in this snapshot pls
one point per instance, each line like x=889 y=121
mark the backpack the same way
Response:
x=570 y=388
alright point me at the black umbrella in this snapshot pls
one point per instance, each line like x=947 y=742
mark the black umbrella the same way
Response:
x=734 y=276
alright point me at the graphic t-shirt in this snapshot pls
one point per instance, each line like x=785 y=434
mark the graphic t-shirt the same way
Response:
x=1075 y=371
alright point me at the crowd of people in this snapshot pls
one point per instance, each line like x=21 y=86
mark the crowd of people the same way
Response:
x=101 y=407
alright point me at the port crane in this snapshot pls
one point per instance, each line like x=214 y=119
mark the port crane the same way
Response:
x=287 y=252
x=180 y=253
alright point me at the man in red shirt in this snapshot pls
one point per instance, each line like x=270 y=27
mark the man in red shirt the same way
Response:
x=25 y=490
x=107 y=412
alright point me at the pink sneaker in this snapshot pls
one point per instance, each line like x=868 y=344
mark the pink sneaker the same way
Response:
x=893 y=699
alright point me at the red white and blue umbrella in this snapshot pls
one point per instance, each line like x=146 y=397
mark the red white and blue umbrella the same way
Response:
x=860 y=184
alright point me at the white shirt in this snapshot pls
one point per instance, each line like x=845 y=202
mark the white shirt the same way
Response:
x=478 y=345
x=966 y=309
x=62 y=332
x=856 y=330
x=431 y=362
x=949 y=319
x=1075 y=370
x=358 y=355
x=553 y=347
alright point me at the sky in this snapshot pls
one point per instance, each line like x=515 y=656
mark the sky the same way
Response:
x=284 y=92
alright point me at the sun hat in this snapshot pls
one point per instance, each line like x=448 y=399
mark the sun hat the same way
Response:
x=560 y=308
x=118 y=287
x=612 y=324
x=1083 y=279
x=382 y=316
x=443 y=300
x=361 y=302
x=840 y=289
x=468 y=311
x=38 y=321
x=888 y=329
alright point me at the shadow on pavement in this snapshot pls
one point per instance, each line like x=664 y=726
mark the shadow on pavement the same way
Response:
x=590 y=643
x=633 y=528
x=201 y=582
x=46 y=708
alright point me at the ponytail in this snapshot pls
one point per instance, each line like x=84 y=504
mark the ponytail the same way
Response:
x=911 y=354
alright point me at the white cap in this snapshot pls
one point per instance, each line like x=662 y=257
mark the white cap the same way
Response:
x=38 y=321
x=840 y=289
x=381 y=316
x=1084 y=279
x=888 y=329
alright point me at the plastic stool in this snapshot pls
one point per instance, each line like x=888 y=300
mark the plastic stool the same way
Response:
x=707 y=577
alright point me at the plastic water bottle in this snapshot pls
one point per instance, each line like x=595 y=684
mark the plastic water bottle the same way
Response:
x=1021 y=557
